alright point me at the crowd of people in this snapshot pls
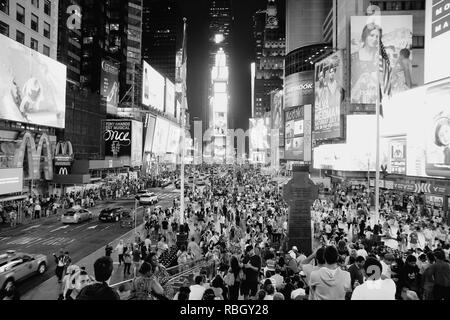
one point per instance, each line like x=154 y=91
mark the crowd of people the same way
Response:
x=238 y=224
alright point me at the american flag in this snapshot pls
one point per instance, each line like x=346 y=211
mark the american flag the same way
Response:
x=385 y=72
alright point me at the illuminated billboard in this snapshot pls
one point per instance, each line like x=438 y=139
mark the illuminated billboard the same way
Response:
x=11 y=180
x=220 y=102
x=161 y=136
x=136 y=143
x=259 y=133
x=110 y=86
x=329 y=94
x=396 y=37
x=437 y=39
x=299 y=89
x=277 y=115
x=153 y=85
x=297 y=133
x=174 y=138
x=170 y=98
x=149 y=132
x=32 y=86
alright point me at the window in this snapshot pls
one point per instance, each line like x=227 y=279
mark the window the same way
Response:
x=418 y=42
x=35 y=22
x=34 y=44
x=48 y=7
x=4 y=29
x=4 y=6
x=20 y=37
x=46 y=30
x=35 y=3
x=46 y=51
x=20 y=14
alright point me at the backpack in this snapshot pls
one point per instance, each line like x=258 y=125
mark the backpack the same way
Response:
x=229 y=279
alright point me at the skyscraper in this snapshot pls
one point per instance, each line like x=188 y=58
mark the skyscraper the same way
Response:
x=270 y=43
x=220 y=24
x=160 y=24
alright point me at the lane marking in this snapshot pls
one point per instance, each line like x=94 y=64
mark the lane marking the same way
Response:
x=63 y=227
x=93 y=227
x=33 y=227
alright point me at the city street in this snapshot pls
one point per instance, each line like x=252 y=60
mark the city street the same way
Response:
x=80 y=240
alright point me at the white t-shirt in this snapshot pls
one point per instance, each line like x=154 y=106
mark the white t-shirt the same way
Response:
x=375 y=290
x=197 y=292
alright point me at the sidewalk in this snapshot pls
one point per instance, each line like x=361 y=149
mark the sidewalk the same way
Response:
x=49 y=290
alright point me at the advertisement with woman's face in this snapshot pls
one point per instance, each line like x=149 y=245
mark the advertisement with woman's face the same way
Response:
x=32 y=86
x=395 y=33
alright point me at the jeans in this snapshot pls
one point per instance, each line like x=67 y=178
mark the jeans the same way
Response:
x=126 y=269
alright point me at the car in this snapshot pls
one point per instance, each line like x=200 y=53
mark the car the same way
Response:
x=140 y=193
x=165 y=183
x=148 y=198
x=111 y=214
x=75 y=215
x=16 y=266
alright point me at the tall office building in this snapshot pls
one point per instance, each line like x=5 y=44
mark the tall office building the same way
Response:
x=270 y=43
x=69 y=40
x=33 y=23
x=220 y=24
x=160 y=23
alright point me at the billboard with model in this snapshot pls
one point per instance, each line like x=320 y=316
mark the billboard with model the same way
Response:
x=32 y=86
x=110 y=86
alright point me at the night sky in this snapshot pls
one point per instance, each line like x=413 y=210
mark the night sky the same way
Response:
x=242 y=54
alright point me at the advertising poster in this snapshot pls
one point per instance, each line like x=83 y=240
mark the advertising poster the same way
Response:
x=110 y=86
x=397 y=152
x=11 y=180
x=277 y=115
x=437 y=126
x=149 y=133
x=160 y=136
x=117 y=138
x=259 y=134
x=170 y=98
x=173 y=143
x=153 y=85
x=32 y=86
x=294 y=133
x=437 y=39
x=220 y=124
x=329 y=94
x=136 y=144
x=299 y=89
x=396 y=34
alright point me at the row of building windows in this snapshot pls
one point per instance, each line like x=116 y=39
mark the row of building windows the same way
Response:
x=400 y=5
x=20 y=37
x=4 y=6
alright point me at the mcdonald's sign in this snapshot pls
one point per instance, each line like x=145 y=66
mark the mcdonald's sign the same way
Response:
x=63 y=157
x=43 y=151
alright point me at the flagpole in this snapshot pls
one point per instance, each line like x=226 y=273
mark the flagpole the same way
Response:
x=377 y=155
x=183 y=110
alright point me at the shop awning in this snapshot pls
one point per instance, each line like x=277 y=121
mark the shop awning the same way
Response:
x=13 y=198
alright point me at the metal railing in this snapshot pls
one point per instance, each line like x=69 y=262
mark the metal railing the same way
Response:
x=200 y=263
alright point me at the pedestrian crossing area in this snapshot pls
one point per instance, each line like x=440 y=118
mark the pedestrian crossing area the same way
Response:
x=167 y=195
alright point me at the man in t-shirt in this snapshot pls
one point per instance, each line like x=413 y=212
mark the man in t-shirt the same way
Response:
x=252 y=267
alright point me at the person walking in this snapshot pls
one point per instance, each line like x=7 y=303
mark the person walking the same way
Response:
x=120 y=250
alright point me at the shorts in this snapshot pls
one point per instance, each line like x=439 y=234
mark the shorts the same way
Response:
x=249 y=288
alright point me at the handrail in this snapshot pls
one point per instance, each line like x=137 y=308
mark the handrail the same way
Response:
x=175 y=276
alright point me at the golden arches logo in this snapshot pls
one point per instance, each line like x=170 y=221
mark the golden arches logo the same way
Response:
x=27 y=144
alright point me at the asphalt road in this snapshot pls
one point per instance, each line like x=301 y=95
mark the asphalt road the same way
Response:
x=80 y=240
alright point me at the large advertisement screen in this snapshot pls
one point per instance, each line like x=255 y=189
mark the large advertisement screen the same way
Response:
x=259 y=134
x=437 y=39
x=153 y=85
x=11 y=180
x=170 y=98
x=294 y=133
x=161 y=136
x=110 y=86
x=174 y=138
x=299 y=89
x=136 y=143
x=32 y=86
x=149 y=133
x=329 y=93
x=117 y=137
x=277 y=115
x=396 y=36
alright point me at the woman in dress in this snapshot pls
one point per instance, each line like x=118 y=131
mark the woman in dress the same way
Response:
x=161 y=274
x=364 y=66
x=146 y=285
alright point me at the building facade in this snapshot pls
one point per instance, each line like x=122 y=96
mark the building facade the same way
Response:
x=33 y=23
